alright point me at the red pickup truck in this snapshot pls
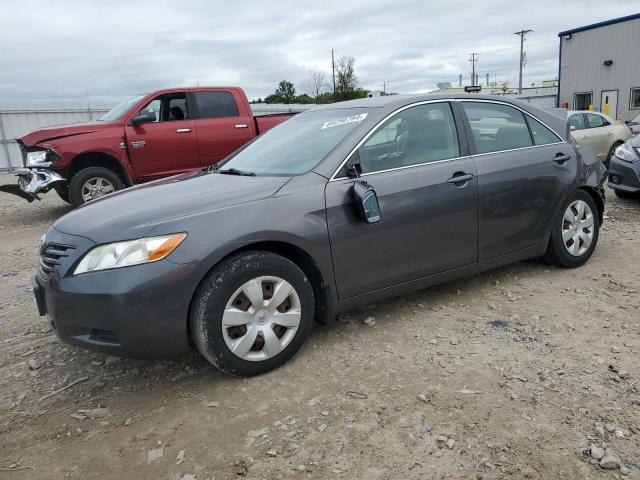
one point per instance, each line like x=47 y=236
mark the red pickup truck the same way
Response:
x=150 y=136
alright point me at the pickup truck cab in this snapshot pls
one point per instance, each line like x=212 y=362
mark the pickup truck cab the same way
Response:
x=144 y=138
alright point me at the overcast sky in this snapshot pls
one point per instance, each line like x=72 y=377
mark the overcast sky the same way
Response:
x=63 y=51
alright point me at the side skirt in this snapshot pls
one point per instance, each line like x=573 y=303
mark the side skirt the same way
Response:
x=359 y=301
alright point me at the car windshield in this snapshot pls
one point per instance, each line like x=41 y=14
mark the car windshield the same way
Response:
x=636 y=120
x=297 y=145
x=120 y=110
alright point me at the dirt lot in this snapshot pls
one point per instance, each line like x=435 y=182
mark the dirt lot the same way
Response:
x=510 y=374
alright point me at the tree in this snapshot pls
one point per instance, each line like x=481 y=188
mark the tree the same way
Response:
x=286 y=91
x=304 y=98
x=324 y=97
x=345 y=79
x=316 y=84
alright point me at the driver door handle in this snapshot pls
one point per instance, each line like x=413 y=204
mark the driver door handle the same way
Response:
x=183 y=130
x=460 y=177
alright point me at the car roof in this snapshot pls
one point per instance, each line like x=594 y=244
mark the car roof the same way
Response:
x=401 y=100
x=571 y=112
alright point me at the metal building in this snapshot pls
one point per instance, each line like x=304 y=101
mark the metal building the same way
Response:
x=599 y=68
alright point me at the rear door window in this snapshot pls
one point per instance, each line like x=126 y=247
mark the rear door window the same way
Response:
x=596 y=121
x=216 y=105
x=496 y=127
x=541 y=134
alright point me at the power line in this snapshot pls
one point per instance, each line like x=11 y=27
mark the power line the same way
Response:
x=521 y=34
x=333 y=68
x=473 y=60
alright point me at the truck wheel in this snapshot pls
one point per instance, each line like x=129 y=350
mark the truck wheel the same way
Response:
x=63 y=192
x=574 y=233
x=92 y=183
x=252 y=313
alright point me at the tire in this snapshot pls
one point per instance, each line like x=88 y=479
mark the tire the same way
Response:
x=63 y=192
x=105 y=177
x=557 y=252
x=612 y=151
x=222 y=291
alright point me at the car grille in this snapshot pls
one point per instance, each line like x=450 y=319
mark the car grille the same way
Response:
x=51 y=256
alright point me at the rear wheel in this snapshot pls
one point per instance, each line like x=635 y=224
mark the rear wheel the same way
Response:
x=252 y=313
x=92 y=183
x=575 y=231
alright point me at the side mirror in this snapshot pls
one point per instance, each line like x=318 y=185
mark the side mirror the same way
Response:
x=572 y=127
x=366 y=201
x=145 y=116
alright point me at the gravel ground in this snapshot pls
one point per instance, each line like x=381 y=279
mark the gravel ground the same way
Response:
x=526 y=371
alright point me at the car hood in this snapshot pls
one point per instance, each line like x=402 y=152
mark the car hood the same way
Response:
x=134 y=212
x=635 y=141
x=59 y=131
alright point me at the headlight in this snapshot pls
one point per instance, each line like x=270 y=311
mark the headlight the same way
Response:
x=37 y=159
x=132 y=252
x=625 y=152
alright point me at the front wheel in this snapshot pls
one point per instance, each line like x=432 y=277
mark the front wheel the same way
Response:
x=92 y=183
x=575 y=231
x=252 y=313
x=63 y=192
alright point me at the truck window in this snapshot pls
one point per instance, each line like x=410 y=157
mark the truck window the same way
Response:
x=216 y=105
x=169 y=107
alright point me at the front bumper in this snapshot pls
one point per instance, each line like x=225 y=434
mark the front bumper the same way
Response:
x=31 y=182
x=624 y=176
x=138 y=311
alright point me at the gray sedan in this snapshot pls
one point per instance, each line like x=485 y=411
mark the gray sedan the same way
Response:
x=624 y=171
x=336 y=208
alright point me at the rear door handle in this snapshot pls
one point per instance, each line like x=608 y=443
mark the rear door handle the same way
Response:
x=183 y=130
x=460 y=177
x=561 y=158
x=242 y=125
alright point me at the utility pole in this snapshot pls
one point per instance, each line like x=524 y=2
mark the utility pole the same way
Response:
x=521 y=34
x=473 y=60
x=333 y=68
x=384 y=87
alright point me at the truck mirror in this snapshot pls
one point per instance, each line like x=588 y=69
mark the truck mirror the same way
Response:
x=145 y=116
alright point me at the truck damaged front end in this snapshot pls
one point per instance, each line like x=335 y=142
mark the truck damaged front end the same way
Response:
x=35 y=177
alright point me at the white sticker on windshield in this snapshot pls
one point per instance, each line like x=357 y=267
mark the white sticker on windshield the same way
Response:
x=344 y=120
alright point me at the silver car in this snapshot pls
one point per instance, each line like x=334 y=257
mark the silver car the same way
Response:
x=598 y=130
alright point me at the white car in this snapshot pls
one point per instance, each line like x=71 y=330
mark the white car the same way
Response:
x=598 y=130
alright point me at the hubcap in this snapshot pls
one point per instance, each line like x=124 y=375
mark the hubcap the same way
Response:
x=577 y=228
x=95 y=188
x=261 y=318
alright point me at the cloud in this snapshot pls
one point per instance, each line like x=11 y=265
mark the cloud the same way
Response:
x=65 y=51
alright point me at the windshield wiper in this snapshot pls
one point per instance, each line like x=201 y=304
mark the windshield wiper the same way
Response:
x=235 y=171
